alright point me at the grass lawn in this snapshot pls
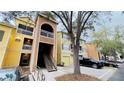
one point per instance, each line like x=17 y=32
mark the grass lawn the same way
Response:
x=74 y=77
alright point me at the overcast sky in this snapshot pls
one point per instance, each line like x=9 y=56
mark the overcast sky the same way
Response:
x=117 y=19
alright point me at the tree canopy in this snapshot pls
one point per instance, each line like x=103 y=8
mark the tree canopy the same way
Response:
x=109 y=42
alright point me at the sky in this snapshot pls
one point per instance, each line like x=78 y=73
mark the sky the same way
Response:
x=110 y=20
x=117 y=19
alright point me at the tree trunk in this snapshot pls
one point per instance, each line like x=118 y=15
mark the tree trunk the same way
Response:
x=105 y=58
x=76 y=59
x=114 y=55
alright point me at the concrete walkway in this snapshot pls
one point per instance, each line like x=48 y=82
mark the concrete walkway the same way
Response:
x=103 y=74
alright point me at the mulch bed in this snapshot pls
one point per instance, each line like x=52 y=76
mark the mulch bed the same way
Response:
x=75 y=77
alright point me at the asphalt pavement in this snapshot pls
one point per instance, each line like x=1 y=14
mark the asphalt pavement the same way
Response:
x=118 y=75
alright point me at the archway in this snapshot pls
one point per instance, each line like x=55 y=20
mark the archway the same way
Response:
x=47 y=27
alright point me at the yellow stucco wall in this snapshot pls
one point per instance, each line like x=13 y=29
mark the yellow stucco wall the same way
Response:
x=4 y=44
x=67 y=58
x=10 y=55
x=63 y=56
x=59 y=48
x=13 y=53
x=25 y=21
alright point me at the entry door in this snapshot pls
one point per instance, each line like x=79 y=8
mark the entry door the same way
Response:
x=66 y=60
x=25 y=59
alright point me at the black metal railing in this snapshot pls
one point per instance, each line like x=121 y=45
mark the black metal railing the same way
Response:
x=23 y=31
x=27 y=47
x=47 y=34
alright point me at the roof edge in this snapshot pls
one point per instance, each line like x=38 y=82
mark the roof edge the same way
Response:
x=6 y=24
x=54 y=21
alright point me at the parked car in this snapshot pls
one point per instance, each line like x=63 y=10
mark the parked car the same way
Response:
x=118 y=61
x=91 y=63
x=110 y=64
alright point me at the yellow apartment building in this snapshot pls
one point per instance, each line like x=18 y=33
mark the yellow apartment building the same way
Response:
x=28 y=43
x=6 y=30
x=92 y=51
x=64 y=49
x=16 y=43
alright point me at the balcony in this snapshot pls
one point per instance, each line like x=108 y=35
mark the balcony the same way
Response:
x=25 y=59
x=27 y=47
x=23 y=31
x=47 y=33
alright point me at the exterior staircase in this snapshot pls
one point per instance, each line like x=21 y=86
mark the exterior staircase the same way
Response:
x=49 y=63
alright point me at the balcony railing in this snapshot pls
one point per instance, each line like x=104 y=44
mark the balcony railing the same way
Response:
x=23 y=31
x=47 y=34
x=27 y=47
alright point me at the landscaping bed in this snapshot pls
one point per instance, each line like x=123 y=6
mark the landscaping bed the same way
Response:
x=75 y=77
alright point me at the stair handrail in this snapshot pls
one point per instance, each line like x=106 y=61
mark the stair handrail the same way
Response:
x=40 y=73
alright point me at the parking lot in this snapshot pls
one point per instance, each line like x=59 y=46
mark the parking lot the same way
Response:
x=104 y=74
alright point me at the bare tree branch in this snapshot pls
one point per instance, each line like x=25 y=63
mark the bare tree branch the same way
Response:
x=85 y=22
x=84 y=15
x=61 y=20
x=66 y=18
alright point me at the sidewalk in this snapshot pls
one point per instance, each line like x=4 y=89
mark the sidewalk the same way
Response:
x=103 y=74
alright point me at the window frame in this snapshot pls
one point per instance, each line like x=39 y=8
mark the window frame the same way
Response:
x=65 y=36
x=65 y=47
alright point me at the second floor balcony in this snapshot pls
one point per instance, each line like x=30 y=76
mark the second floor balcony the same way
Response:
x=23 y=31
x=27 y=47
x=47 y=33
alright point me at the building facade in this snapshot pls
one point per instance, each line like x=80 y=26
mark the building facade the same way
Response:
x=45 y=45
x=92 y=51
x=64 y=49
x=25 y=43
x=18 y=40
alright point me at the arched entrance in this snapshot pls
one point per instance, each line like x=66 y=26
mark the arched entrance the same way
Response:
x=45 y=54
x=47 y=30
x=47 y=27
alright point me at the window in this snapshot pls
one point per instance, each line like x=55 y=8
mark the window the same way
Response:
x=25 y=27
x=66 y=47
x=1 y=35
x=65 y=36
x=80 y=48
x=22 y=26
x=25 y=59
x=27 y=44
x=29 y=28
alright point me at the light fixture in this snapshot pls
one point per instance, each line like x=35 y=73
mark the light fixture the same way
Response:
x=17 y=39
